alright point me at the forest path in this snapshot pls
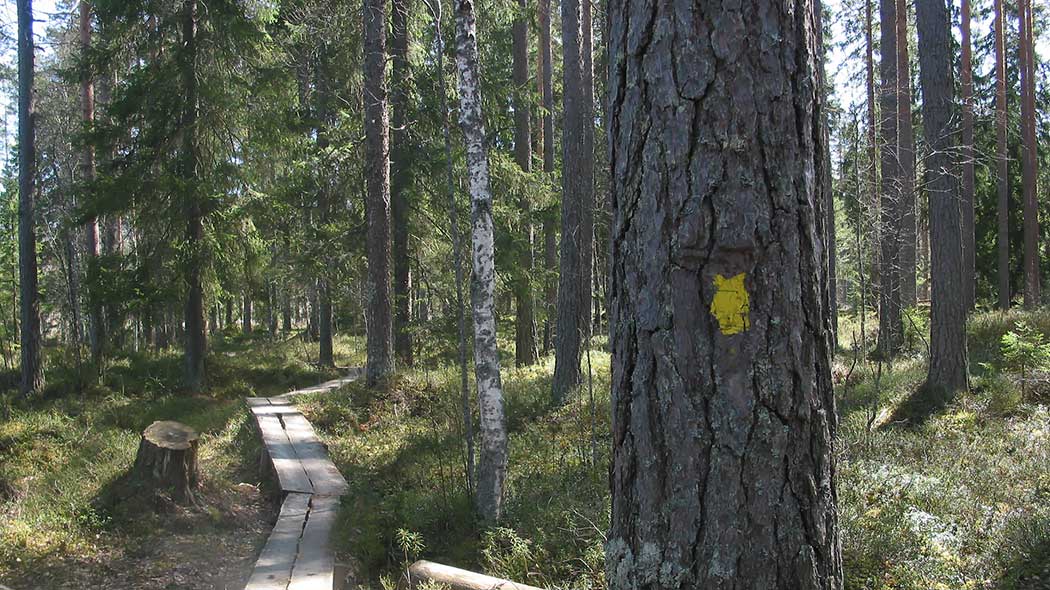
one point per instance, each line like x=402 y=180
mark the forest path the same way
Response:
x=298 y=554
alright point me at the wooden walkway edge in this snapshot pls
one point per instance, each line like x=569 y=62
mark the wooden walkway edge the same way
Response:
x=298 y=554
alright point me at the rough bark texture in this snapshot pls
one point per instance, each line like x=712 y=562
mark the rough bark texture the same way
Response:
x=1002 y=169
x=966 y=204
x=723 y=410
x=891 y=327
x=401 y=177
x=585 y=168
x=380 y=336
x=576 y=188
x=525 y=352
x=246 y=312
x=166 y=461
x=195 y=341
x=906 y=151
x=32 y=362
x=492 y=462
x=947 y=371
x=826 y=186
x=1028 y=157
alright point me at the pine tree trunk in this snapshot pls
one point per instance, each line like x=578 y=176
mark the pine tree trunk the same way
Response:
x=723 y=409
x=196 y=338
x=966 y=152
x=380 y=335
x=891 y=327
x=586 y=170
x=401 y=177
x=32 y=361
x=525 y=352
x=873 y=146
x=325 y=353
x=947 y=371
x=492 y=463
x=1002 y=169
x=96 y=325
x=1028 y=157
x=827 y=190
x=550 y=240
x=906 y=149
x=573 y=280
x=246 y=312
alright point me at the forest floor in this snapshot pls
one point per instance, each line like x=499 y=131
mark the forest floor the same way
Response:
x=61 y=456
x=952 y=497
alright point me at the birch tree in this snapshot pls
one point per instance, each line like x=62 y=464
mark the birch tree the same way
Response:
x=492 y=461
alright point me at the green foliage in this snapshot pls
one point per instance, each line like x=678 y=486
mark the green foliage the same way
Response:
x=1024 y=349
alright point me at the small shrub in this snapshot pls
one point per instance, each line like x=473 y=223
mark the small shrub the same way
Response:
x=1024 y=350
x=507 y=555
x=1025 y=558
x=1000 y=395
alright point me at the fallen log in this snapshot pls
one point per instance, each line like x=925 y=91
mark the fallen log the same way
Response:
x=427 y=571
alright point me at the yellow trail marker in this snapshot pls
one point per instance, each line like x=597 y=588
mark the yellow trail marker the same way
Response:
x=731 y=305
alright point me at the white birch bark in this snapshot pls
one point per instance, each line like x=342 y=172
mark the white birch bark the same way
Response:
x=492 y=463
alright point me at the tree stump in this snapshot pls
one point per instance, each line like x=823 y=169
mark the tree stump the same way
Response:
x=167 y=461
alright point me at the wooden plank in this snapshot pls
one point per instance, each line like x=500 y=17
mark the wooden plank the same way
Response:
x=455 y=578
x=314 y=567
x=273 y=570
x=274 y=410
x=313 y=455
x=291 y=475
x=256 y=402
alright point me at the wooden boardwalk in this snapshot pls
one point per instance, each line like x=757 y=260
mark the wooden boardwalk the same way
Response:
x=298 y=556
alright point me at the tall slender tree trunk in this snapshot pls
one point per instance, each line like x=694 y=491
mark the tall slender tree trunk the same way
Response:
x=721 y=384
x=586 y=169
x=827 y=190
x=525 y=352
x=492 y=463
x=380 y=336
x=457 y=254
x=246 y=311
x=196 y=337
x=906 y=151
x=947 y=371
x=550 y=240
x=96 y=325
x=1002 y=169
x=966 y=152
x=32 y=361
x=577 y=184
x=401 y=177
x=325 y=352
x=873 y=145
x=1028 y=158
x=891 y=327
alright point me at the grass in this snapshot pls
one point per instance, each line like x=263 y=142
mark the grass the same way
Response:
x=61 y=453
x=956 y=501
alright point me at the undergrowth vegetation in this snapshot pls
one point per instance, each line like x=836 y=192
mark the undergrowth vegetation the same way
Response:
x=60 y=454
x=957 y=497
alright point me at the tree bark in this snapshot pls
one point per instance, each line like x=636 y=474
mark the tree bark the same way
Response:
x=379 y=337
x=873 y=146
x=1002 y=169
x=32 y=379
x=947 y=370
x=906 y=151
x=195 y=341
x=525 y=352
x=826 y=186
x=492 y=463
x=166 y=462
x=550 y=240
x=573 y=280
x=891 y=327
x=966 y=152
x=1028 y=157
x=96 y=325
x=723 y=409
x=401 y=178
x=325 y=352
x=246 y=312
